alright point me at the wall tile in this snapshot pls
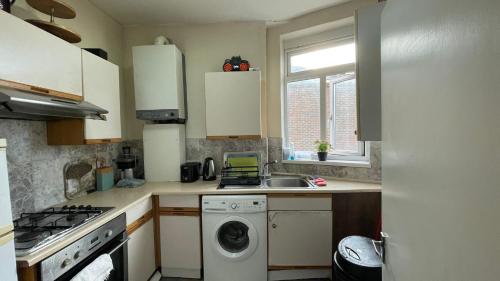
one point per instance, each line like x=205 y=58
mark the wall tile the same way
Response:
x=36 y=169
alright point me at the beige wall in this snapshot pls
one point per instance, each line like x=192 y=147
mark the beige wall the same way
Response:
x=274 y=57
x=205 y=48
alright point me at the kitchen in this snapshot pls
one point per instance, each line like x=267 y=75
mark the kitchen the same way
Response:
x=248 y=140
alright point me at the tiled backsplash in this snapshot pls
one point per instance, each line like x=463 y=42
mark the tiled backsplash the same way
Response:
x=199 y=149
x=364 y=174
x=36 y=169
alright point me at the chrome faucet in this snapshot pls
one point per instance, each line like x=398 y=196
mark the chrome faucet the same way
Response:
x=265 y=169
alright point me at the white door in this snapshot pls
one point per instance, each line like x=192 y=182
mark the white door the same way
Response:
x=441 y=140
x=300 y=238
x=180 y=246
x=31 y=56
x=5 y=207
x=101 y=86
x=8 y=258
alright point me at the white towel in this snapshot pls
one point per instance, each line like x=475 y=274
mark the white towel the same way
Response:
x=98 y=270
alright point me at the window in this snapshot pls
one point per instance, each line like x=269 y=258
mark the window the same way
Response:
x=320 y=101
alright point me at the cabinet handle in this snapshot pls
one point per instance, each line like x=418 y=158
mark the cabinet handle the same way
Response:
x=38 y=89
x=274 y=225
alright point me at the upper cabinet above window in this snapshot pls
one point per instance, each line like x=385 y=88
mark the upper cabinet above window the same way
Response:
x=37 y=61
x=368 y=72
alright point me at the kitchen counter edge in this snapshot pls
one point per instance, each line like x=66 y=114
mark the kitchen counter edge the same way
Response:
x=123 y=199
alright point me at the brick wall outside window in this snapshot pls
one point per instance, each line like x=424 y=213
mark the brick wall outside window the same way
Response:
x=303 y=114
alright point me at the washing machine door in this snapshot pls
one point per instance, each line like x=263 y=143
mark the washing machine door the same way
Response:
x=235 y=238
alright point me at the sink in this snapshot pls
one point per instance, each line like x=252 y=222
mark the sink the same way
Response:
x=287 y=183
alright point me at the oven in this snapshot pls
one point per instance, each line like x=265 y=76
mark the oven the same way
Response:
x=110 y=238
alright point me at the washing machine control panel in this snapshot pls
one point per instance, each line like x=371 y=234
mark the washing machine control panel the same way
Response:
x=236 y=204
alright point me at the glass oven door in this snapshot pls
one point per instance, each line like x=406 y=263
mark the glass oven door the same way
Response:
x=117 y=249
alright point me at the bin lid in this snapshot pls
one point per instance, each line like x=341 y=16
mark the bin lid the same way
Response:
x=359 y=251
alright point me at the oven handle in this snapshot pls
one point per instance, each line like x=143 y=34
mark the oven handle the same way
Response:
x=119 y=246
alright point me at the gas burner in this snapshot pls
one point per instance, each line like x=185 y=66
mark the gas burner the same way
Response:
x=34 y=235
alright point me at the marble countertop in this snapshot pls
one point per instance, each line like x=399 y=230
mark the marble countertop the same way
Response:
x=123 y=199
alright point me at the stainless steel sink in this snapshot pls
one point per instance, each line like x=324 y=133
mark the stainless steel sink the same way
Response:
x=287 y=183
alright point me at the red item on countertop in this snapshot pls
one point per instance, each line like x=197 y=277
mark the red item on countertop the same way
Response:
x=320 y=182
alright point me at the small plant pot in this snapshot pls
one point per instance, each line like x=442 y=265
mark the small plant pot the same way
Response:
x=322 y=155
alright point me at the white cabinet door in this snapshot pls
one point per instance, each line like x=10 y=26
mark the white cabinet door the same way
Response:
x=8 y=258
x=180 y=246
x=5 y=207
x=31 y=56
x=101 y=86
x=233 y=104
x=141 y=253
x=300 y=238
x=368 y=79
x=141 y=247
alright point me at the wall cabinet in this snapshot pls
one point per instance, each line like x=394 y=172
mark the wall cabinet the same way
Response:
x=180 y=236
x=37 y=61
x=141 y=246
x=234 y=105
x=101 y=86
x=368 y=71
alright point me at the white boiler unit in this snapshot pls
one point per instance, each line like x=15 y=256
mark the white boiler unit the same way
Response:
x=159 y=82
x=164 y=151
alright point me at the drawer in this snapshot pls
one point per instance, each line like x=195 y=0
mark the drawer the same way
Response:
x=191 y=201
x=299 y=202
x=138 y=210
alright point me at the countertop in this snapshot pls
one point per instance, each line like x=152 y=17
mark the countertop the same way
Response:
x=123 y=199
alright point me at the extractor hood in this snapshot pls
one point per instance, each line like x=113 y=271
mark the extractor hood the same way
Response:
x=17 y=104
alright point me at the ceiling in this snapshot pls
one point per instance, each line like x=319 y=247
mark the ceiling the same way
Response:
x=133 y=12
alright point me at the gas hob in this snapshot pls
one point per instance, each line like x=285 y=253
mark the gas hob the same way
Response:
x=34 y=231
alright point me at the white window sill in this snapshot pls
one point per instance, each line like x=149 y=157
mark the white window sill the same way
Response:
x=342 y=163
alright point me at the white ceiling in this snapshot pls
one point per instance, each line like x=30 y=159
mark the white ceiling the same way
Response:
x=132 y=12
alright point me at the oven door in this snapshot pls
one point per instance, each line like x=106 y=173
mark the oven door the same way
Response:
x=117 y=249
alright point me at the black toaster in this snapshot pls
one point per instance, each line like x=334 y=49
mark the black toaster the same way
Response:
x=190 y=171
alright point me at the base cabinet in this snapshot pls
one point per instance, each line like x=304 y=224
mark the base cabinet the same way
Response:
x=141 y=249
x=180 y=246
x=300 y=236
x=141 y=246
x=300 y=239
x=180 y=236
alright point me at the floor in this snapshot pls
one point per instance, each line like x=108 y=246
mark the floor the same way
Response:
x=183 y=279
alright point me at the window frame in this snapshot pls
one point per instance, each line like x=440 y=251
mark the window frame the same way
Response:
x=335 y=157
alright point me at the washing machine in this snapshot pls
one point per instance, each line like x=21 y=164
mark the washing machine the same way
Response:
x=234 y=237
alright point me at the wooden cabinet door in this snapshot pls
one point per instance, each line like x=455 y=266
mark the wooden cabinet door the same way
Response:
x=300 y=238
x=101 y=86
x=38 y=60
x=180 y=246
x=233 y=104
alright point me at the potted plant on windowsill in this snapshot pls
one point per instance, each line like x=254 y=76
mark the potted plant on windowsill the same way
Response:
x=322 y=147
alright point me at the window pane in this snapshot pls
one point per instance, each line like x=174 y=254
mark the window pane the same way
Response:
x=303 y=115
x=338 y=55
x=341 y=95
